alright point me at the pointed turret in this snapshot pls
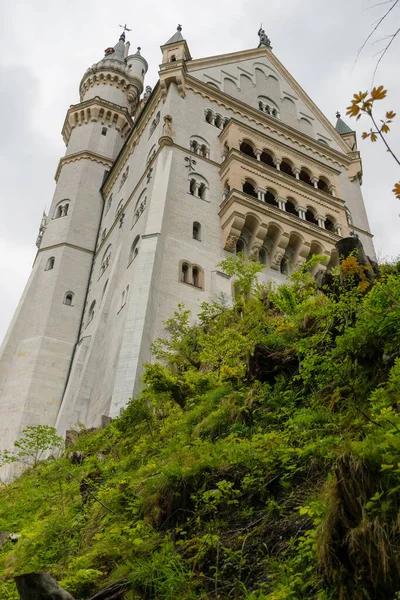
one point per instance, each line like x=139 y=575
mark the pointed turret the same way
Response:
x=175 y=48
x=116 y=77
x=341 y=127
x=177 y=37
x=347 y=134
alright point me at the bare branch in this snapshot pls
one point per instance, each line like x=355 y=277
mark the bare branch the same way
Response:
x=379 y=22
x=383 y=53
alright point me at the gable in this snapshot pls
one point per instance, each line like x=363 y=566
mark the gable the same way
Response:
x=257 y=78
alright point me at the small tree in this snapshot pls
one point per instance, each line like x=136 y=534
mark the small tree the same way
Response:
x=35 y=441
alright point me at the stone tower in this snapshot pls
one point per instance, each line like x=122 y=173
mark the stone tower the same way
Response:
x=39 y=346
x=227 y=153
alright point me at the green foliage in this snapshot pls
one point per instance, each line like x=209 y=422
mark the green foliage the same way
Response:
x=260 y=462
x=35 y=441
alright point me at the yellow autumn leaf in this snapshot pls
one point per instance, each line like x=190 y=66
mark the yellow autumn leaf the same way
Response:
x=353 y=110
x=359 y=97
x=390 y=114
x=385 y=128
x=396 y=190
x=378 y=93
x=365 y=135
x=374 y=137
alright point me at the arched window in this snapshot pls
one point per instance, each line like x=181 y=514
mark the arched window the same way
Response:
x=290 y=207
x=196 y=231
x=310 y=216
x=305 y=177
x=321 y=141
x=191 y=274
x=246 y=148
x=323 y=185
x=173 y=58
x=218 y=121
x=270 y=199
x=109 y=202
x=200 y=146
x=91 y=311
x=134 y=250
x=61 y=209
x=139 y=207
x=287 y=168
x=195 y=277
x=239 y=246
x=198 y=186
x=106 y=260
x=154 y=124
x=119 y=207
x=349 y=217
x=330 y=224
x=50 y=263
x=249 y=188
x=284 y=266
x=262 y=256
x=210 y=116
x=185 y=273
x=268 y=106
x=68 y=298
x=267 y=159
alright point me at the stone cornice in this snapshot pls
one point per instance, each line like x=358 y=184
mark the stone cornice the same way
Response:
x=234 y=57
x=61 y=244
x=84 y=155
x=268 y=141
x=261 y=119
x=90 y=110
x=279 y=215
x=290 y=183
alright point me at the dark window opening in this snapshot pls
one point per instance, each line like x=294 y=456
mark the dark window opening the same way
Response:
x=249 y=189
x=286 y=168
x=247 y=149
x=267 y=159
x=290 y=208
x=104 y=131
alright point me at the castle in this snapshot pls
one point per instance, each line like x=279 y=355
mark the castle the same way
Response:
x=227 y=153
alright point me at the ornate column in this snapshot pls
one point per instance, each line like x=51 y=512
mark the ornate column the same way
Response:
x=277 y=163
x=321 y=221
x=281 y=203
x=314 y=181
x=296 y=171
x=258 y=154
x=332 y=190
x=338 y=229
x=261 y=194
x=196 y=187
x=301 y=212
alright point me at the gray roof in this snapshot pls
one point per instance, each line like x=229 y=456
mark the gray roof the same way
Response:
x=341 y=126
x=177 y=37
x=119 y=50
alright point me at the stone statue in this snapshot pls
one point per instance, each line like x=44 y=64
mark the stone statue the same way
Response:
x=264 y=39
x=167 y=128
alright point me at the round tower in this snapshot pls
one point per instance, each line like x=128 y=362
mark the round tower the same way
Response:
x=120 y=77
x=39 y=346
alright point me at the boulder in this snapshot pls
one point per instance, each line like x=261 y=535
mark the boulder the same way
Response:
x=4 y=536
x=40 y=586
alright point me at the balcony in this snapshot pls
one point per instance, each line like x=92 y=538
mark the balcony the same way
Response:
x=272 y=235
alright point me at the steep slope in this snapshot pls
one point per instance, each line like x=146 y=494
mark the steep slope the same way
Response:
x=261 y=462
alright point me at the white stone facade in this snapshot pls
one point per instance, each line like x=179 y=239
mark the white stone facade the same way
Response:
x=118 y=248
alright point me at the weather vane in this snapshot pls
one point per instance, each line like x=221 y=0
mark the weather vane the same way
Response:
x=124 y=27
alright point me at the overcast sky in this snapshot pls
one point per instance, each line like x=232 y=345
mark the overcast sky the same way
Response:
x=46 y=46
